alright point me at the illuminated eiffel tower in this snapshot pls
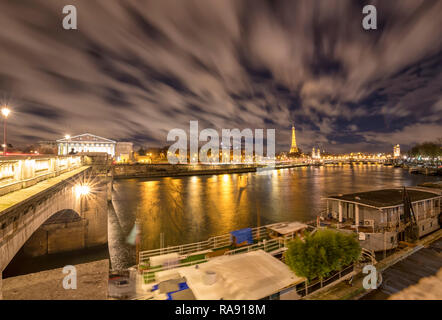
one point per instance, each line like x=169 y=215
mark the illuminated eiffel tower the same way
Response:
x=293 y=148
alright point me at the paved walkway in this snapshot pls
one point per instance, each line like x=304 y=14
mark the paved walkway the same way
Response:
x=343 y=291
x=92 y=284
x=11 y=199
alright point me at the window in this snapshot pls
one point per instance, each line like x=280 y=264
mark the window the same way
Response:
x=423 y=228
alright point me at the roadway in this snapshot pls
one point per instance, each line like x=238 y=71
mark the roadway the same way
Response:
x=11 y=199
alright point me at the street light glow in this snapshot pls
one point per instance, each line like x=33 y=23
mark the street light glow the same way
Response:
x=6 y=111
x=82 y=190
x=67 y=137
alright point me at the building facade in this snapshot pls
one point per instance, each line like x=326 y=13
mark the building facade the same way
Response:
x=85 y=143
x=316 y=154
x=124 y=151
x=397 y=151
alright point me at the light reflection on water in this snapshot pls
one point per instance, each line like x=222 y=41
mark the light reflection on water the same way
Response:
x=189 y=209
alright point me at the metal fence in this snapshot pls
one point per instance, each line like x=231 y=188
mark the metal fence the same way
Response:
x=209 y=244
x=270 y=246
x=305 y=288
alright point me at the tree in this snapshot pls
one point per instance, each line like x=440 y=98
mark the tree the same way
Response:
x=142 y=151
x=321 y=253
x=427 y=149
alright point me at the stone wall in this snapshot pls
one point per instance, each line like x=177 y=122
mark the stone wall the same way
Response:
x=166 y=170
x=56 y=238
x=88 y=231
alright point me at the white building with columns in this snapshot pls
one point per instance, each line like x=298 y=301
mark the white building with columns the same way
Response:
x=85 y=143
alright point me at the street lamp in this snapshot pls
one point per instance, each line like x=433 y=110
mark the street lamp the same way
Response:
x=67 y=137
x=82 y=190
x=5 y=112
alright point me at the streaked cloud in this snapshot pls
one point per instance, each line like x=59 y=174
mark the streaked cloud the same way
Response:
x=136 y=69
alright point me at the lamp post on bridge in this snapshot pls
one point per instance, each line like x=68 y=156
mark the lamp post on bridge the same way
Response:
x=5 y=112
x=82 y=190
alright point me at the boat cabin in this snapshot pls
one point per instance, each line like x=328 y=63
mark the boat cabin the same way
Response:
x=286 y=229
x=378 y=216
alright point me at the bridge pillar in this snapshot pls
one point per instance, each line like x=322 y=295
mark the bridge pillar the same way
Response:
x=65 y=234
x=95 y=213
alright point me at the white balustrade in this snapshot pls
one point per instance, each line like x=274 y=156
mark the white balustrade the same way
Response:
x=20 y=172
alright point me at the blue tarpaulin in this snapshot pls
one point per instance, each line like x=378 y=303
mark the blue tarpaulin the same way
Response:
x=243 y=235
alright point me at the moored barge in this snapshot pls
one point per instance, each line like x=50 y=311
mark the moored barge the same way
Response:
x=384 y=218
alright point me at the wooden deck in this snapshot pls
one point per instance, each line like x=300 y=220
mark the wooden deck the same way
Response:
x=422 y=264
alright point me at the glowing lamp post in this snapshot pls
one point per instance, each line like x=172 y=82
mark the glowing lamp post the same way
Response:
x=5 y=112
x=82 y=190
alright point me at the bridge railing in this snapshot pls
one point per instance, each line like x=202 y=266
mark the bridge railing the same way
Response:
x=21 y=172
x=11 y=218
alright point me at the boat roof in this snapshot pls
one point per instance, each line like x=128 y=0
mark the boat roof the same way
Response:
x=246 y=276
x=384 y=198
x=287 y=227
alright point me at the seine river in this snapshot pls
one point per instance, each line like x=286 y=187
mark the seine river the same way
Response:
x=189 y=209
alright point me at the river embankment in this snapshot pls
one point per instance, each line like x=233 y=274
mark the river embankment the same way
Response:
x=139 y=170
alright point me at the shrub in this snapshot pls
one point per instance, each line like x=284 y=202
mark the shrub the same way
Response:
x=321 y=253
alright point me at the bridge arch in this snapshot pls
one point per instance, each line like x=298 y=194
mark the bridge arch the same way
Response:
x=19 y=222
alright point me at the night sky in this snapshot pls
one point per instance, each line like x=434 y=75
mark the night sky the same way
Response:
x=136 y=69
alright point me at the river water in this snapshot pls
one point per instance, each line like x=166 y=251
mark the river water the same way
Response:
x=189 y=209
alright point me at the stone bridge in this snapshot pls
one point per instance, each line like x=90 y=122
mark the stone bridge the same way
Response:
x=29 y=197
x=353 y=161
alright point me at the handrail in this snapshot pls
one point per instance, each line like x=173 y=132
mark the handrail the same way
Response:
x=211 y=243
x=370 y=254
x=266 y=245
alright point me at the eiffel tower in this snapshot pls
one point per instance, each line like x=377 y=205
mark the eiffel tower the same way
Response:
x=293 y=148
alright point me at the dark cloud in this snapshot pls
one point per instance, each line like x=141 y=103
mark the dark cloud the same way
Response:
x=135 y=69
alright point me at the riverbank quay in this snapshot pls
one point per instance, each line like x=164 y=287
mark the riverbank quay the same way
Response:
x=138 y=170
x=429 y=288
x=92 y=284
x=345 y=291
